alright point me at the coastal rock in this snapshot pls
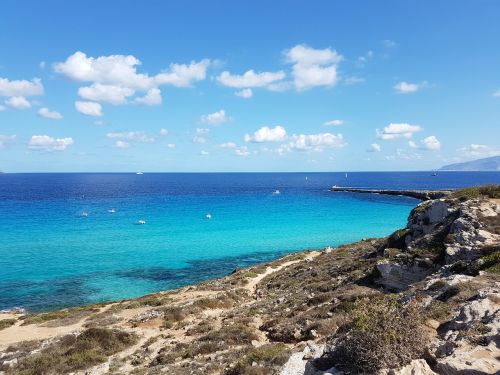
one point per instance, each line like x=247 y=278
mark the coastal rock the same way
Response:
x=399 y=276
x=416 y=367
x=301 y=363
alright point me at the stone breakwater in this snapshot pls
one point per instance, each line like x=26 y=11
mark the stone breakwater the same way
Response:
x=418 y=194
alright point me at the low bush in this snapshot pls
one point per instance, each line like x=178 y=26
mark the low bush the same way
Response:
x=490 y=191
x=73 y=353
x=5 y=323
x=382 y=333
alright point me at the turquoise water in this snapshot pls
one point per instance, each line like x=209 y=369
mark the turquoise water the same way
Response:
x=51 y=256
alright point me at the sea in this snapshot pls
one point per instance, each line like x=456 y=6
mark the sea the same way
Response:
x=71 y=239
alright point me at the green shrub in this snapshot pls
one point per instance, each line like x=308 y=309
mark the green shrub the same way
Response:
x=5 y=323
x=382 y=333
x=73 y=353
x=490 y=191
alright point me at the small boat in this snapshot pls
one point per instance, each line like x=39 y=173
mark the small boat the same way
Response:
x=346 y=175
x=335 y=187
x=276 y=192
x=84 y=214
x=141 y=222
x=208 y=216
x=111 y=210
x=434 y=174
x=139 y=173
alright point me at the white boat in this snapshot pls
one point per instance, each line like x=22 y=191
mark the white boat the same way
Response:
x=346 y=175
x=141 y=222
x=139 y=173
x=111 y=210
x=276 y=192
x=84 y=214
x=208 y=216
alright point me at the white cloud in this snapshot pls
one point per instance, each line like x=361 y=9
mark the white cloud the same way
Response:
x=333 y=123
x=228 y=145
x=112 y=94
x=479 y=151
x=152 y=97
x=121 y=144
x=250 y=79
x=242 y=151
x=389 y=43
x=204 y=153
x=52 y=115
x=2 y=108
x=5 y=140
x=497 y=94
x=47 y=143
x=18 y=102
x=312 y=142
x=407 y=88
x=374 y=147
x=182 y=75
x=132 y=136
x=245 y=93
x=215 y=118
x=163 y=132
x=353 y=80
x=201 y=135
x=99 y=123
x=266 y=134
x=171 y=145
x=42 y=64
x=313 y=67
x=431 y=143
x=89 y=108
x=428 y=143
x=397 y=131
x=21 y=87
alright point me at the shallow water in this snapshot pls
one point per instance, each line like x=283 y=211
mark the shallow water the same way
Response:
x=51 y=256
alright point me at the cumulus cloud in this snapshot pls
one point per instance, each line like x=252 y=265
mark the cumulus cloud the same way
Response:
x=475 y=150
x=245 y=93
x=52 y=115
x=397 y=131
x=115 y=78
x=171 y=145
x=182 y=75
x=353 y=80
x=428 y=143
x=89 y=108
x=152 y=97
x=112 y=94
x=47 y=143
x=333 y=123
x=5 y=140
x=200 y=135
x=163 y=132
x=121 y=144
x=250 y=79
x=407 y=88
x=215 y=118
x=312 y=142
x=18 y=102
x=374 y=147
x=131 y=136
x=204 y=153
x=228 y=145
x=313 y=67
x=22 y=88
x=431 y=143
x=267 y=134
x=242 y=151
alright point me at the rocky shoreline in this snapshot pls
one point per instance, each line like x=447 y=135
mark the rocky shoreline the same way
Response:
x=425 y=300
x=417 y=194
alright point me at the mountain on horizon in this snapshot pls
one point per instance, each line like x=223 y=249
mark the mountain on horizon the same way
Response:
x=485 y=164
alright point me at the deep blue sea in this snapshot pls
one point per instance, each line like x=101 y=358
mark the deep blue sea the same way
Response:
x=51 y=256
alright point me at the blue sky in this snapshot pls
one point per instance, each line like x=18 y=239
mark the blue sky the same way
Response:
x=247 y=86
